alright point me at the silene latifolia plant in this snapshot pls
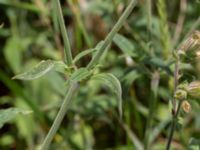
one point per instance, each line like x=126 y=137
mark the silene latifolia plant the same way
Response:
x=185 y=91
x=76 y=75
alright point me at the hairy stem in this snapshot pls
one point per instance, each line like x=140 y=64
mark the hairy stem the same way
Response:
x=67 y=48
x=111 y=35
x=74 y=86
x=63 y=109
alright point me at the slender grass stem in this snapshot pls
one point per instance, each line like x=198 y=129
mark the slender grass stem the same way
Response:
x=77 y=15
x=152 y=105
x=173 y=125
x=149 y=18
x=63 y=109
x=176 y=74
x=54 y=16
x=175 y=111
x=111 y=35
x=67 y=48
x=171 y=134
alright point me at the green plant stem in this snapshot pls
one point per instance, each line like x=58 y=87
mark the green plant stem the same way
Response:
x=111 y=35
x=65 y=105
x=80 y=23
x=174 y=111
x=67 y=48
x=54 y=16
x=176 y=74
x=152 y=105
x=175 y=116
x=149 y=18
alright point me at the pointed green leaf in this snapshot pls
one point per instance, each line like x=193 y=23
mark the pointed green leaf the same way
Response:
x=8 y=114
x=88 y=51
x=82 y=54
x=113 y=83
x=40 y=69
x=80 y=74
x=99 y=45
x=124 y=44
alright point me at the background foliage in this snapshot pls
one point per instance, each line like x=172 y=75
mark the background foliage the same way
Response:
x=141 y=57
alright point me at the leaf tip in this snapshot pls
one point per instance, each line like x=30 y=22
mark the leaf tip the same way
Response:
x=14 y=78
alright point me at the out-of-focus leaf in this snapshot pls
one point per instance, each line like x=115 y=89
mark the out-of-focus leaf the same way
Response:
x=97 y=7
x=194 y=144
x=130 y=77
x=1 y=26
x=80 y=74
x=82 y=139
x=113 y=83
x=58 y=84
x=13 y=53
x=18 y=91
x=134 y=139
x=158 y=129
x=158 y=62
x=22 y=5
x=8 y=114
x=7 y=140
x=26 y=125
x=39 y=70
x=124 y=44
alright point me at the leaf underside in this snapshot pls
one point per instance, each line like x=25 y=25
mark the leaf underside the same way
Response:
x=38 y=71
x=113 y=84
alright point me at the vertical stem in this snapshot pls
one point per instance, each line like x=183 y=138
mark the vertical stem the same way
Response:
x=171 y=134
x=175 y=111
x=111 y=35
x=77 y=15
x=176 y=74
x=154 y=87
x=173 y=126
x=67 y=48
x=54 y=16
x=149 y=20
x=56 y=124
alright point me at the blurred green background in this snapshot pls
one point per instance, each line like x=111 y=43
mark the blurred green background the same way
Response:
x=140 y=57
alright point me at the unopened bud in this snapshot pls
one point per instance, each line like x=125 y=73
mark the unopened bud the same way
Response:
x=186 y=106
x=192 y=42
x=193 y=89
x=180 y=94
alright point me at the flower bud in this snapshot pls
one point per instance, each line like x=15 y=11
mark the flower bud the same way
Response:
x=193 y=89
x=186 y=106
x=192 y=42
x=180 y=94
